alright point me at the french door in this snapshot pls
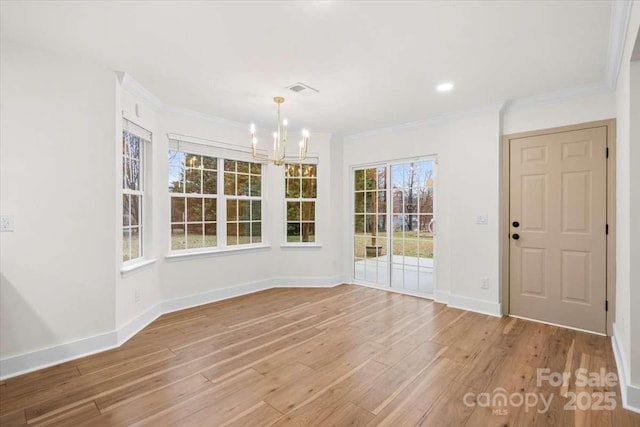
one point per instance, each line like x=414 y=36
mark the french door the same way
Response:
x=394 y=225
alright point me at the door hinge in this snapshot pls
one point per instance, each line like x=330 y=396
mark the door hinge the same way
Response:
x=606 y=229
x=607 y=152
x=606 y=305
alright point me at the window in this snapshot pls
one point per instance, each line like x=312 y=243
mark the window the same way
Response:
x=300 y=198
x=243 y=189
x=215 y=203
x=193 y=184
x=133 y=194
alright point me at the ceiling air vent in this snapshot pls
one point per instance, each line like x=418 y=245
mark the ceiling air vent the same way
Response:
x=302 y=89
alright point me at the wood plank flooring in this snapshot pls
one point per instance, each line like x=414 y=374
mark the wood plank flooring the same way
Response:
x=344 y=356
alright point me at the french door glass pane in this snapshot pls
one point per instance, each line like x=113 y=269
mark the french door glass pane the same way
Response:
x=412 y=259
x=370 y=226
x=393 y=224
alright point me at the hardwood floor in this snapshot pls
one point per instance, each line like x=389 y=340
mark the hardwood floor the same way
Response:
x=342 y=356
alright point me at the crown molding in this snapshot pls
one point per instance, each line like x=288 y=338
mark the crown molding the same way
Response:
x=504 y=107
x=428 y=122
x=620 y=14
x=561 y=95
x=132 y=86
x=183 y=112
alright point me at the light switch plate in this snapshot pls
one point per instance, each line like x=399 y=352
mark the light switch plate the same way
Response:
x=482 y=219
x=6 y=223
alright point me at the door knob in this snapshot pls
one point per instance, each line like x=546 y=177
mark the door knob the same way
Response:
x=516 y=224
x=515 y=236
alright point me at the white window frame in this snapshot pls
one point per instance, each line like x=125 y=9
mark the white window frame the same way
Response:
x=238 y=198
x=301 y=199
x=221 y=152
x=201 y=196
x=145 y=138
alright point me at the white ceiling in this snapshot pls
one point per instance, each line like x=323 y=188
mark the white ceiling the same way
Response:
x=376 y=64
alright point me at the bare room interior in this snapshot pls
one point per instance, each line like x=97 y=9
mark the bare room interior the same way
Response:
x=320 y=213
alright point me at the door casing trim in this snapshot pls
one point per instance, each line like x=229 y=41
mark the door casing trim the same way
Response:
x=610 y=125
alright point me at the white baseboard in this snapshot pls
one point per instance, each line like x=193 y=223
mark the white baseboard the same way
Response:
x=630 y=393
x=189 y=301
x=138 y=323
x=32 y=361
x=441 y=296
x=28 y=362
x=249 y=288
x=308 y=282
x=473 y=304
x=394 y=290
x=454 y=301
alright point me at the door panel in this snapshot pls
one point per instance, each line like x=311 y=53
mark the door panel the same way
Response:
x=534 y=272
x=576 y=202
x=575 y=276
x=558 y=197
x=534 y=206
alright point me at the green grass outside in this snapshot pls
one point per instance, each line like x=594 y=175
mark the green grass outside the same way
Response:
x=405 y=243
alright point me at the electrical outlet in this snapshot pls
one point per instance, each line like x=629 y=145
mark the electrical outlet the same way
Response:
x=136 y=295
x=484 y=283
x=6 y=223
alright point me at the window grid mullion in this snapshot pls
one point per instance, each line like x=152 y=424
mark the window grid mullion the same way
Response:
x=221 y=213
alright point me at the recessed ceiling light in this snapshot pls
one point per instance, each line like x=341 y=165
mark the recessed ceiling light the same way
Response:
x=444 y=87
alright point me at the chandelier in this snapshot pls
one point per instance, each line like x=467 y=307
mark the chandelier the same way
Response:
x=279 y=142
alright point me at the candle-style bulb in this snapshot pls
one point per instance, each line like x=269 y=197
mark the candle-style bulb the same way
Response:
x=252 y=128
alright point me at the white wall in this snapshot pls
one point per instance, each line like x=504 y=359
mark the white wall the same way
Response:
x=56 y=135
x=467 y=184
x=176 y=278
x=469 y=165
x=144 y=281
x=628 y=213
x=634 y=249
x=181 y=277
x=63 y=293
x=589 y=107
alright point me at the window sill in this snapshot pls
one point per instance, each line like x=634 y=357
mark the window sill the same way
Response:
x=301 y=245
x=135 y=266
x=176 y=256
